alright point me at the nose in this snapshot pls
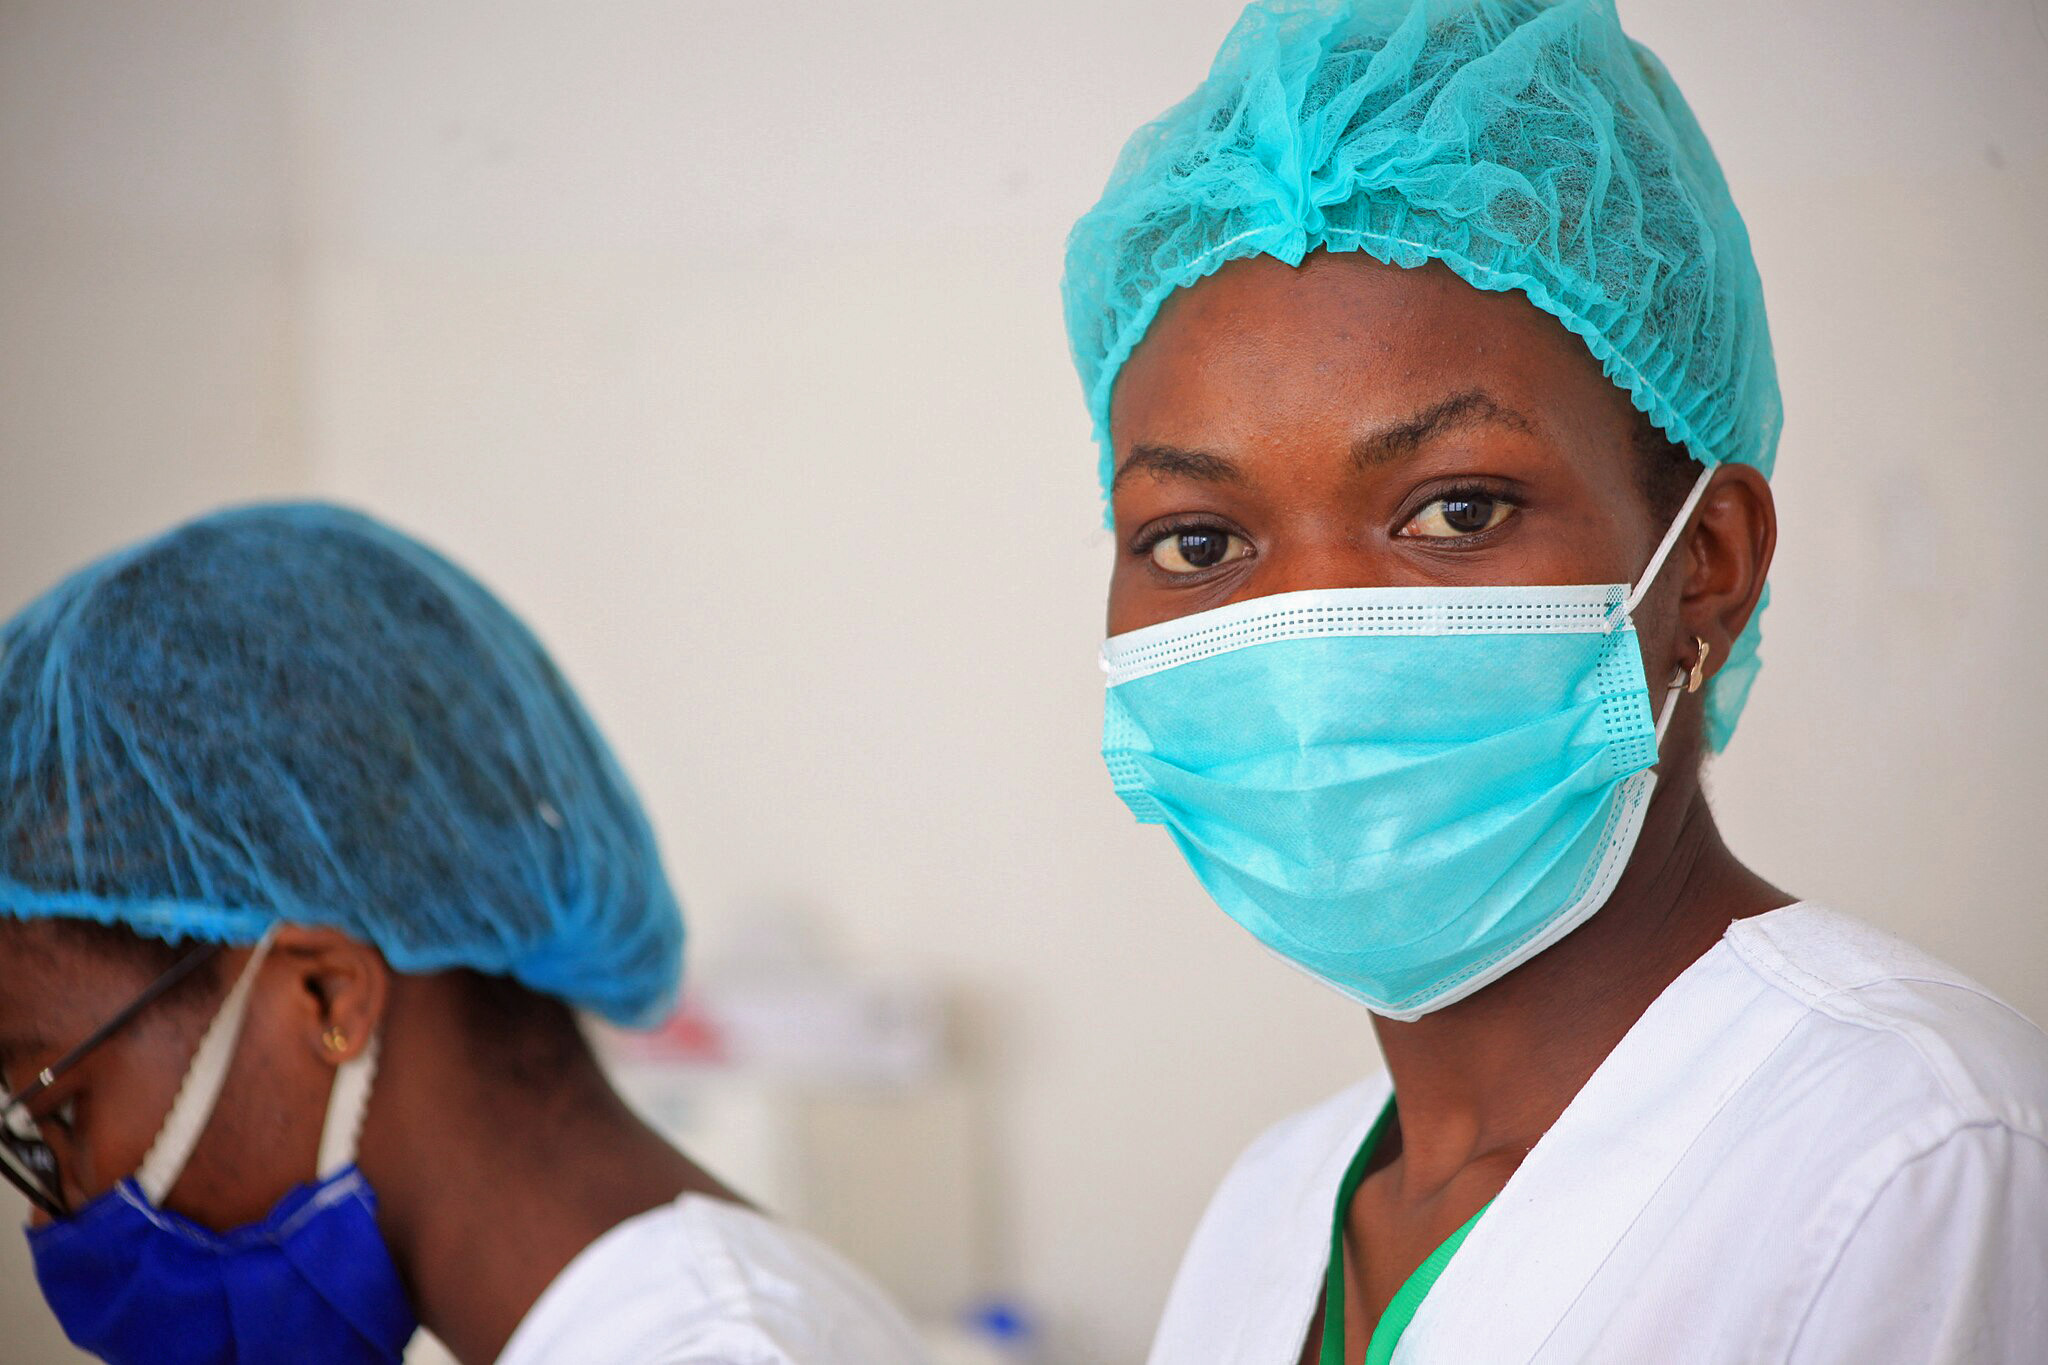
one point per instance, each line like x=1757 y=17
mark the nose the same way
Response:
x=1325 y=561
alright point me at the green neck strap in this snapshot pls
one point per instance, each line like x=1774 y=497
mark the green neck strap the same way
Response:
x=1386 y=1334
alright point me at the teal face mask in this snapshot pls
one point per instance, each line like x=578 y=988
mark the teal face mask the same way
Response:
x=1408 y=792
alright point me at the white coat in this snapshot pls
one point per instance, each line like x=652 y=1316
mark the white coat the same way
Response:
x=704 y=1282
x=1817 y=1145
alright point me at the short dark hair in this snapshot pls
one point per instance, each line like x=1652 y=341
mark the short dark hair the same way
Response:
x=534 y=1041
x=1664 y=471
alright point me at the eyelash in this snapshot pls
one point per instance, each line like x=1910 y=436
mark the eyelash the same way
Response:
x=1149 y=538
x=1492 y=492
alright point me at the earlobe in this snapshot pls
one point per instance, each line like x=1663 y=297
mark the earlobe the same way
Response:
x=343 y=985
x=1734 y=537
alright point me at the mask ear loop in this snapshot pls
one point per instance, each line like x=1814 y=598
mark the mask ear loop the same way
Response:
x=1671 y=696
x=1671 y=535
x=200 y=1090
x=1642 y=588
x=346 y=1105
x=207 y=1077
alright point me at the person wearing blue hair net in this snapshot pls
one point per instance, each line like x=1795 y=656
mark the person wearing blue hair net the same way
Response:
x=308 y=857
x=1436 y=403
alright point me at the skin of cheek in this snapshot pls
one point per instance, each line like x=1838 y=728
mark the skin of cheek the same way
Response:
x=1279 y=369
x=264 y=1134
x=1656 y=622
x=263 y=1139
x=123 y=1088
x=125 y=1091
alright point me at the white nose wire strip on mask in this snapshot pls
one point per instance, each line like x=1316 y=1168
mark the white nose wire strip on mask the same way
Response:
x=207 y=1077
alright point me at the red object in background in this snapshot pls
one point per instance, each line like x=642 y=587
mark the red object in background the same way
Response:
x=688 y=1035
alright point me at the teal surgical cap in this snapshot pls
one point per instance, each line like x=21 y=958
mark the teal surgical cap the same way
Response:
x=1528 y=146
x=295 y=713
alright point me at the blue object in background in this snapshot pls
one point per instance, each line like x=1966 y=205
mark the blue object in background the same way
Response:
x=1003 y=1324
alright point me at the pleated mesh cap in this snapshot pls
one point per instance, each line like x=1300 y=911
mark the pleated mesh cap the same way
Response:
x=1528 y=146
x=296 y=713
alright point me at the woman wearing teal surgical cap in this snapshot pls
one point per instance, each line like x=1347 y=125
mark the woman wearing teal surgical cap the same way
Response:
x=308 y=855
x=1436 y=403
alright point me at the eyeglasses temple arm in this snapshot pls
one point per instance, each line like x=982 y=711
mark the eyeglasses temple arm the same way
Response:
x=180 y=969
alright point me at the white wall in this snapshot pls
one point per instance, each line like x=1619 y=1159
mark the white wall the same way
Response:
x=1894 y=172
x=148 y=358
x=725 y=341
x=149 y=364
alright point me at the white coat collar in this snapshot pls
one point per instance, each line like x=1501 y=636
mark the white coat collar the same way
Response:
x=1583 y=1184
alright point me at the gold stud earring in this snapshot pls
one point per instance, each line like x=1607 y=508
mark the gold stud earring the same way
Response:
x=334 y=1039
x=1698 y=674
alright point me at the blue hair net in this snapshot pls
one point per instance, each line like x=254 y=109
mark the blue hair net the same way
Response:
x=295 y=713
x=1528 y=146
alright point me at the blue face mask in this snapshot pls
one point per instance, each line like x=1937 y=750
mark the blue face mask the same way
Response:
x=1408 y=792
x=134 y=1283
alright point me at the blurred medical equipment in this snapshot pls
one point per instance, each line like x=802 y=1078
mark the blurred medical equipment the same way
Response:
x=839 y=1102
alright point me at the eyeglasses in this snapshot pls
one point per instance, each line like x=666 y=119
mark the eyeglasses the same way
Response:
x=25 y=1159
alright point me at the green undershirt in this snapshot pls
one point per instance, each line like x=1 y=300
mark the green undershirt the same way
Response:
x=1386 y=1334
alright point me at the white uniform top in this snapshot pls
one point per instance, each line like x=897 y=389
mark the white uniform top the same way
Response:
x=1818 y=1144
x=704 y=1282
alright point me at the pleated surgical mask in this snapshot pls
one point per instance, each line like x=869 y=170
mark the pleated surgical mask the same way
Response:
x=1408 y=792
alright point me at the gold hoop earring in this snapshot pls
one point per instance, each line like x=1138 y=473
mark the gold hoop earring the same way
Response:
x=334 y=1039
x=1698 y=674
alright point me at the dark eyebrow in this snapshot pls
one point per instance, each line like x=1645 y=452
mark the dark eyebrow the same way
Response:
x=1175 y=463
x=1397 y=439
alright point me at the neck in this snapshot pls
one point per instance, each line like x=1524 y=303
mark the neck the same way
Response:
x=1488 y=1075
x=489 y=1196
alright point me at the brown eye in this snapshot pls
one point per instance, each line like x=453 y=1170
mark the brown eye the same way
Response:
x=1461 y=514
x=1194 y=550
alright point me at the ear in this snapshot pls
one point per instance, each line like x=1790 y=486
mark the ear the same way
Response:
x=339 y=987
x=1728 y=555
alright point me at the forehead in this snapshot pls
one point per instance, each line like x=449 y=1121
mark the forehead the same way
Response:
x=1261 y=346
